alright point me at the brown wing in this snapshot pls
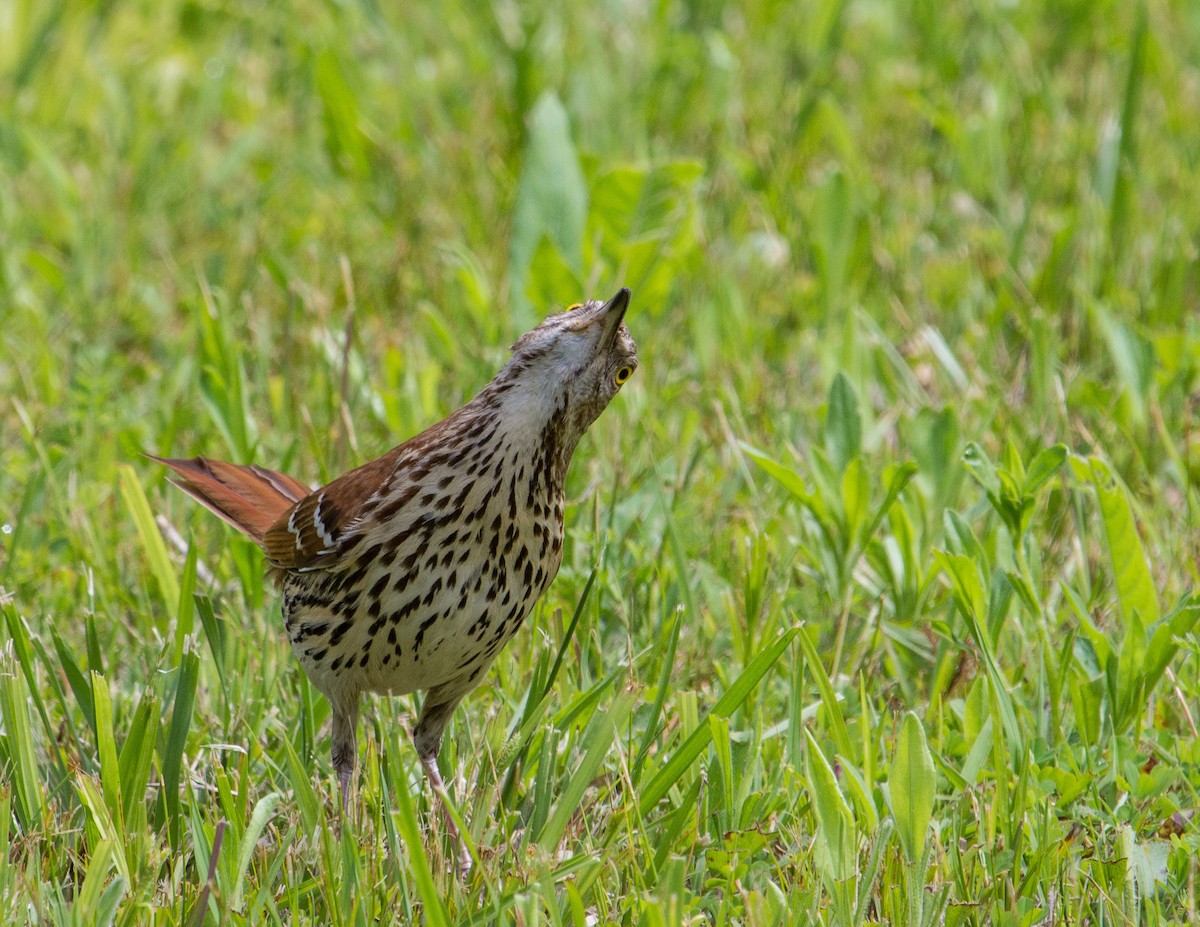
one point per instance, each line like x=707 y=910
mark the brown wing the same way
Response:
x=314 y=534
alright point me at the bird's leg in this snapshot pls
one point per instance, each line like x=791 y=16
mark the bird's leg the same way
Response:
x=345 y=727
x=427 y=736
x=463 y=863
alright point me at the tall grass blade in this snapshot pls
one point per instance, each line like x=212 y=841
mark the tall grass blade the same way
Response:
x=264 y=808
x=106 y=750
x=23 y=767
x=187 y=680
x=597 y=742
x=134 y=762
x=700 y=738
x=435 y=911
x=153 y=546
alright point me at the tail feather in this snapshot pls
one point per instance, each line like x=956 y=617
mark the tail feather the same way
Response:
x=250 y=498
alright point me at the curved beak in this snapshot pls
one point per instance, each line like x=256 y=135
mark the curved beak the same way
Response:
x=613 y=312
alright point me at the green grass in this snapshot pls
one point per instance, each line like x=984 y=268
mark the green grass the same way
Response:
x=878 y=601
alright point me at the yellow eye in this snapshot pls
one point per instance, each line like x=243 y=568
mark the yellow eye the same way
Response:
x=574 y=306
x=622 y=374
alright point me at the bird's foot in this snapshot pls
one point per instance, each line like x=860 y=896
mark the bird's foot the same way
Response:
x=463 y=862
x=345 y=774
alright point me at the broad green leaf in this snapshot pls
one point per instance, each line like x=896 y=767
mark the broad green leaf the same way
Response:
x=933 y=439
x=980 y=750
x=900 y=478
x=911 y=786
x=1000 y=592
x=1043 y=467
x=551 y=200
x=967 y=586
x=982 y=468
x=843 y=424
x=1126 y=556
x=860 y=796
x=1012 y=465
x=1164 y=642
x=835 y=823
x=615 y=198
x=1019 y=584
x=76 y=678
x=785 y=476
x=630 y=202
x=833 y=225
x=552 y=280
x=961 y=539
x=856 y=496
x=214 y=632
x=999 y=485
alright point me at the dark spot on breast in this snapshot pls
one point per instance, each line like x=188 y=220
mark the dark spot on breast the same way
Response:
x=339 y=632
x=425 y=626
x=391 y=508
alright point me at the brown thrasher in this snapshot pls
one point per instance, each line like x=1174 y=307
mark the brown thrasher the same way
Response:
x=414 y=570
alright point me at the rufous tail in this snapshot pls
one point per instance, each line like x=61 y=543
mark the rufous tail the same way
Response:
x=250 y=498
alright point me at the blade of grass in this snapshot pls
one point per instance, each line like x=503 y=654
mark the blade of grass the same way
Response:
x=263 y=809
x=833 y=707
x=106 y=749
x=653 y=723
x=135 y=760
x=734 y=697
x=596 y=743
x=435 y=911
x=14 y=698
x=177 y=735
x=157 y=559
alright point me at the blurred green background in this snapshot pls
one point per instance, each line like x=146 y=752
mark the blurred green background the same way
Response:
x=915 y=291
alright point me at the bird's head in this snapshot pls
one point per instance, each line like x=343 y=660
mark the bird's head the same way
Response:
x=580 y=357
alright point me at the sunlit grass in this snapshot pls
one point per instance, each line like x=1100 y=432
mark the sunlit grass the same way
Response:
x=877 y=603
